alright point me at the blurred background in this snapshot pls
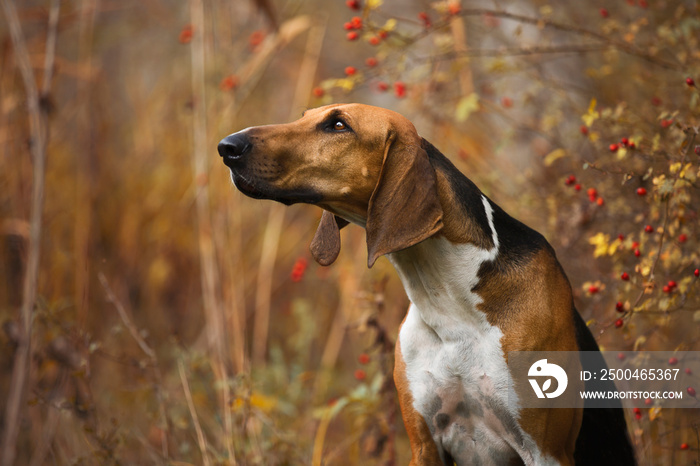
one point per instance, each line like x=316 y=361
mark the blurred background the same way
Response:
x=171 y=320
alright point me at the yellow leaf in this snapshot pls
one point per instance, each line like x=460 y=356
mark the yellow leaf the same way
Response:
x=614 y=246
x=372 y=4
x=390 y=25
x=257 y=400
x=654 y=412
x=592 y=114
x=675 y=167
x=345 y=84
x=553 y=156
x=600 y=241
x=466 y=106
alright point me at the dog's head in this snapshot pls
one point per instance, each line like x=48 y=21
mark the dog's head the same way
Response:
x=361 y=164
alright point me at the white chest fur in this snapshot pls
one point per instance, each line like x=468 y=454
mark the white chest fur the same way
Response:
x=455 y=364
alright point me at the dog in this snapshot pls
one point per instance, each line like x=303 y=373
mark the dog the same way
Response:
x=480 y=283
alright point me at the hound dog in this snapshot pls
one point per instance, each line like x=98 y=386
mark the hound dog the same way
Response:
x=480 y=283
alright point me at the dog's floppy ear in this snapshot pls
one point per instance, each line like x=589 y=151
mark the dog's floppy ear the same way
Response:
x=325 y=246
x=404 y=208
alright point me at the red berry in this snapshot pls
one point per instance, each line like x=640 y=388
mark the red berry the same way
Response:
x=363 y=358
x=600 y=201
x=625 y=276
x=318 y=92
x=666 y=289
x=352 y=35
x=691 y=391
x=625 y=142
x=682 y=238
x=648 y=401
x=186 y=34
x=348 y=26
x=672 y=361
x=371 y=62
x=353 y=4
x=299 y=269
x=383 y=34
x=688 y=371
x=604 y=12
x=571 y=179
x=356 y=22
x=382 y=86
x=635 y=244
x=506 y=102
x=399 y=89
x=614 y=147
x=256 y=38
x=593 y=289
x=649 y=229
x=690 y=82
x=697 y=272
x=637 y=411
x=621 y=356
x=350 y=70
x=641 y=192
x=454 y=8
x=423 y=16
x=697 y=150
x=374 y=40
x=360 y=374
x=637 y=253
x=621 y=237
x=584 y=129
x=666 y=123
x=684 y=446
x=618 y=323
x=672 y=284
x=638 y=416
x=229 y=83
x=631 y=145
x=619 y=306
x=577 y=187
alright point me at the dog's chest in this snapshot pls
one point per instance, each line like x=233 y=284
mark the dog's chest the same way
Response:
x=460 y=388
x=455 y=365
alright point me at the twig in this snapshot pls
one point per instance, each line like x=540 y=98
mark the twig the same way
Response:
x=133 y=330
x=516 y=51
x=193 y=412
x=545 y=22
x=136 y=335
x=38 y=127
x=263 y=289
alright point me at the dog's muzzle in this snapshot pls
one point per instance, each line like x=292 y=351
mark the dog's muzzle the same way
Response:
x=233 y=148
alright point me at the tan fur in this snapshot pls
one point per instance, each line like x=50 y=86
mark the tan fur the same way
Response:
x=423 y=449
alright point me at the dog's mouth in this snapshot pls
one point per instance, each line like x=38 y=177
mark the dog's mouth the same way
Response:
x=255 y=189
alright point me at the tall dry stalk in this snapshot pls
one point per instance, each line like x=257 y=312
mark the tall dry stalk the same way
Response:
x=210 y=274
x=275 y=221
x=38 y=127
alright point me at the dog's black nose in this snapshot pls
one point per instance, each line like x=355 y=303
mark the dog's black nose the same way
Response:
x=235 y=146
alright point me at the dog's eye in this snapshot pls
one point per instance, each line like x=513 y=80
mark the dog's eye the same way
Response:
x=339 y=125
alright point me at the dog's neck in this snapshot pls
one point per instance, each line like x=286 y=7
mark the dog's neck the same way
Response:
x=439 y=276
